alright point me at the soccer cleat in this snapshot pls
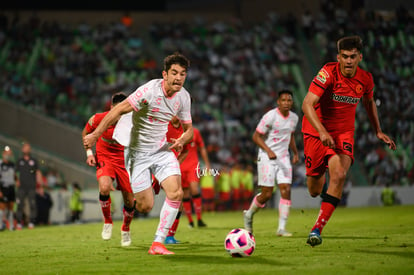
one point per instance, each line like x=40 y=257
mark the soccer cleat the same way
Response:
x=191 y=224
x=125 y=238
x=171 y=240
x=283 y=233
x=107 y=231
x=314 y=238
x=19 y=226
x=159 y=249
x=200 y=223
x=31 y=225
x=248 y=222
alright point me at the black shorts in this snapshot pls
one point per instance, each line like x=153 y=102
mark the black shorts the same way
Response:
x=9 y=194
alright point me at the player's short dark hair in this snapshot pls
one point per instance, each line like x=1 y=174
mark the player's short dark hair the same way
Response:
x=118 y=97
x=176 y=58
x=285 y=91
x=349 y=43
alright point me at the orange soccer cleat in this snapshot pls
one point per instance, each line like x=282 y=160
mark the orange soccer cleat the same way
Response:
x=159 y=249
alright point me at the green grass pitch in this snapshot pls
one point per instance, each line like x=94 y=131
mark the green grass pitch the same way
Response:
x=375 y=240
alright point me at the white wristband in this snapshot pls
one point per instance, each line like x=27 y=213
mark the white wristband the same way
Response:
x=89 y=153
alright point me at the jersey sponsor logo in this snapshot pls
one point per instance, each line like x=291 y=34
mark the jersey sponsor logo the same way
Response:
x=322 y=76
x=345 y=99
x=347 y=146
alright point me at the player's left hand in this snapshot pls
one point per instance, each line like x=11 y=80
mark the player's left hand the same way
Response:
x=177 y=145
x=387 y=140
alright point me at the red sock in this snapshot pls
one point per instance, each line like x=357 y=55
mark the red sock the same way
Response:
x=328 y=206
x=128 y=216
x=197 y=206
x=188 y=209
x=174 y=226
x=106 y=209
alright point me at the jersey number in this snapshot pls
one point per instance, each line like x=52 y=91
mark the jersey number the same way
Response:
x=308 y=162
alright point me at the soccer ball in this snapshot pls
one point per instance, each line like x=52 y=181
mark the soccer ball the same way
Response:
x=240 y=243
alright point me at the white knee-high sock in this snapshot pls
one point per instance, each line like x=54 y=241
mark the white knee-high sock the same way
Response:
x=255 y=206
x=168 y=213
x=284 y=207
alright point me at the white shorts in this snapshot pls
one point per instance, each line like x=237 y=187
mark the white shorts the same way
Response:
x=271 y=170
x=140 y=166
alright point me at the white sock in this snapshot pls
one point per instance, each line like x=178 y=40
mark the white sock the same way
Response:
x=11 y=220
x=168 y=213
x=1 y=218
x=255 y=206
x=284 y=207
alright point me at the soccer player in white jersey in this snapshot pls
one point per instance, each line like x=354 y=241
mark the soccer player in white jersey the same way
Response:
x=149 y=110
x=275 y=135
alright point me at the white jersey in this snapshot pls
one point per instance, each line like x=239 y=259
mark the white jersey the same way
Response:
x=277 y=131
x=145 y=128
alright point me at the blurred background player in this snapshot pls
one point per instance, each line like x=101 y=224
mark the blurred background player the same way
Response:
x=190 y=176
x=175 y=130
x=275 y=135
x=7 y=189
x=110 y=166
x=207 y=185
x=191 y=172
x=328 y=126
x=223 y=188
x=247 y=182
x=28 y=177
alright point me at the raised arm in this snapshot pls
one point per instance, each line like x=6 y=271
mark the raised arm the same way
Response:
x=113 y=116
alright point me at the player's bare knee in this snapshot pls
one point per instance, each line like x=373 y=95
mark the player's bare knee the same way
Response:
x=176 y=195
x=338 y=176
x=143 y=207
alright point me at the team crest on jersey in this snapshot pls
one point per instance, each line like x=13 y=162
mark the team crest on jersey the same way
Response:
x=322 y=76
x=144 y=102
x=358 y=89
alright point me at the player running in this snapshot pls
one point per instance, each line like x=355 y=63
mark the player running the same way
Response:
x=328 y=126
x=110 y=166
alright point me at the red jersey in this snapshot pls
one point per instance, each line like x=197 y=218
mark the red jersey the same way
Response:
x=105 y=146
x=339 y=97
x=174 y=133
x=191 y=161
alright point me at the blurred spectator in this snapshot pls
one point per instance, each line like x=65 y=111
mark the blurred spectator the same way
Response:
x=388 y=195
x=7 y=189
x=76 y=204
x=29 y=176
x=44 y=203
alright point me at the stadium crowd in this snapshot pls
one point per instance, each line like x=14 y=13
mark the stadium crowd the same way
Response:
x=69 y=72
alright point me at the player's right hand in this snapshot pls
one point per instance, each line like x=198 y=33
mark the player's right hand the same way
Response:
x=327 y=140
x=91 y=161
x=89 y=140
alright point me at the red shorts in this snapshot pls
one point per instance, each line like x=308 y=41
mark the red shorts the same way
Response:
x=115 y=170
x=236 y=194
x=247 y=194
x=224 y=196
x=207 y=193
x=317 y=155
x=188 y=176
